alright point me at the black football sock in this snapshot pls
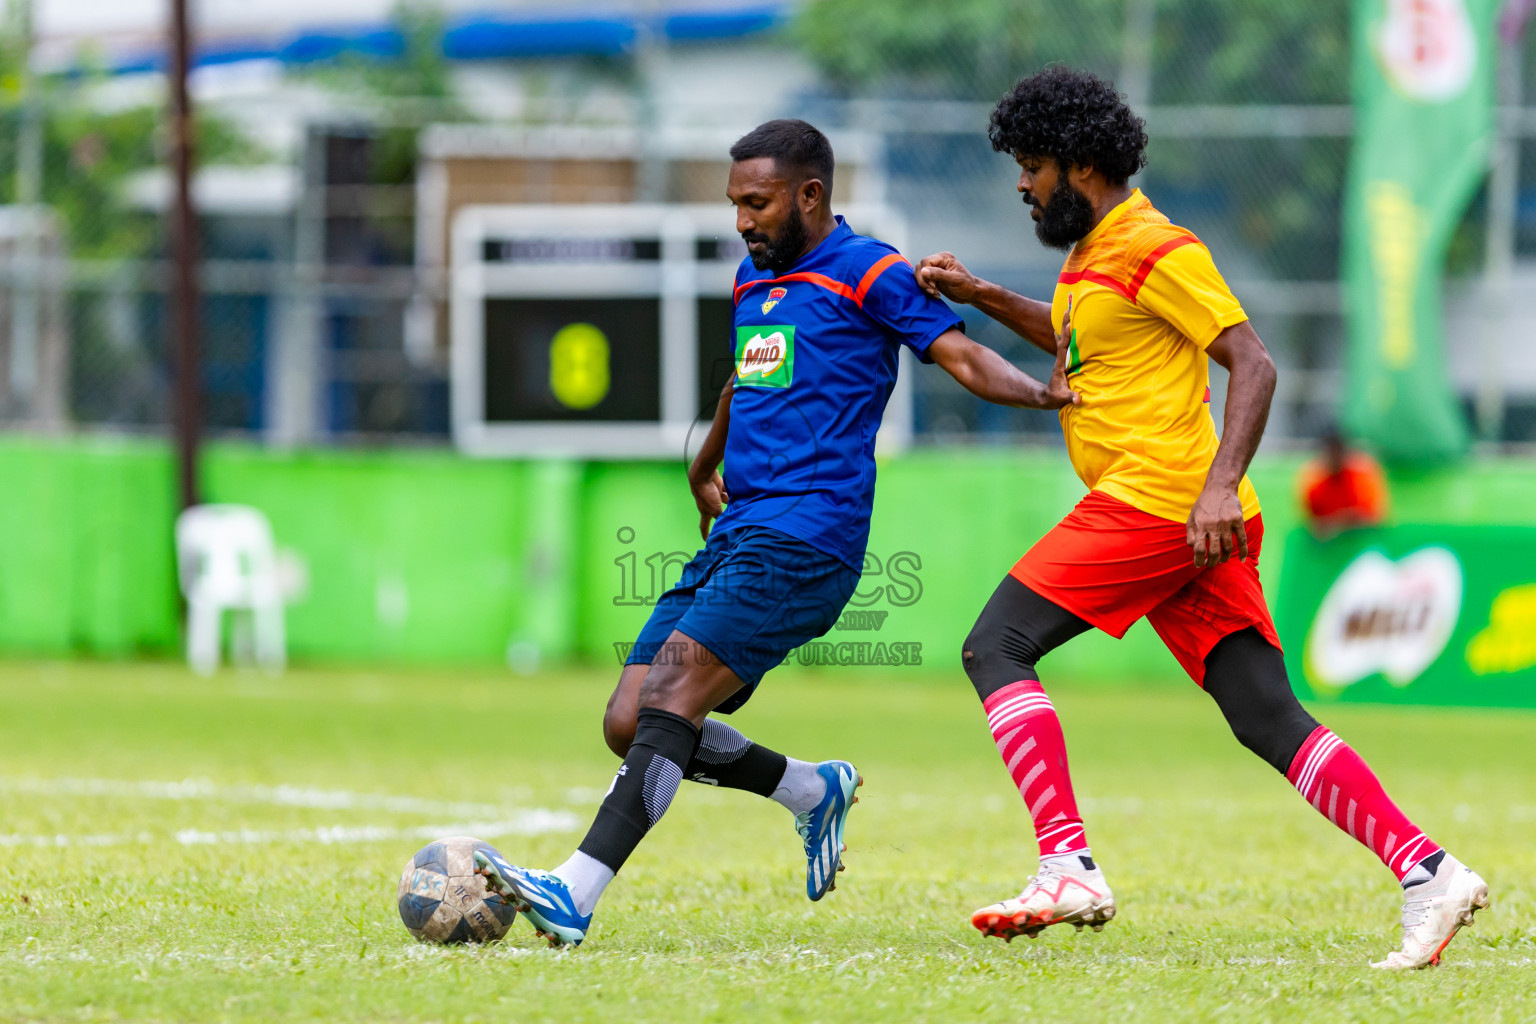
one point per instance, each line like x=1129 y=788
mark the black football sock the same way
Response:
x=643 y=787
x=727 y=758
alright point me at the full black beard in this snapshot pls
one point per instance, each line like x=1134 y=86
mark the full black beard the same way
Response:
x=1066 y=218
x=783 y=251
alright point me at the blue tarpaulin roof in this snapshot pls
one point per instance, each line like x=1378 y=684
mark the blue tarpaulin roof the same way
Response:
x=598 y=33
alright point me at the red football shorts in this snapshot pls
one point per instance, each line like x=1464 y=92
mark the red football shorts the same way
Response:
x=1109 y=564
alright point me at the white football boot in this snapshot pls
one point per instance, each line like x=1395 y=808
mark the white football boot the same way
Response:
x=1433 y=911
x=1066 y=891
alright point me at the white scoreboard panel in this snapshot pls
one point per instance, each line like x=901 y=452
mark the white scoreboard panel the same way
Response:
x=594 y=331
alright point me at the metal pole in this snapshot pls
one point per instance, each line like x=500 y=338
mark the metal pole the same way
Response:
x=1499 y=245
x=1136 y=44
x=25 y=320
x=651 y=60
x=183 y=297
x=294 y=403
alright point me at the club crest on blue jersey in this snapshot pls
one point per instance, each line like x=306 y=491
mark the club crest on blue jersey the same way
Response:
x=774 y=297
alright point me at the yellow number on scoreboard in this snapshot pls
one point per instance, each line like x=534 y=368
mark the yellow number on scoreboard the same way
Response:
x=578 y=366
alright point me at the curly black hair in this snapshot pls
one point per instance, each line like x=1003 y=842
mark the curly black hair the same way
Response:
x=1074 y=116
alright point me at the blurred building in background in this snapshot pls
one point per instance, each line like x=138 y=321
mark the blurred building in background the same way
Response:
x=336 y=145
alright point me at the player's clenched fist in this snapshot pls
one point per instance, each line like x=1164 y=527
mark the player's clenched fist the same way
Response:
x=942 y=275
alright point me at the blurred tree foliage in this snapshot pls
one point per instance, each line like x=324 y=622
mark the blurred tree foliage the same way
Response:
x=1204 y=51
x=89 y=155
x=400 y=92
x=418 y=75
x=91 y=148
x=963 y=49
x=397 y=92
x=1251 y=51
x=1282 y=196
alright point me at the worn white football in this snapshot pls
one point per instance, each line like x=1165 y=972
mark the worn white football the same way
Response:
x=441 y=899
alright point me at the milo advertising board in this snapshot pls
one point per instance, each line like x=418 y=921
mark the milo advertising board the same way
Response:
x=1412 y=615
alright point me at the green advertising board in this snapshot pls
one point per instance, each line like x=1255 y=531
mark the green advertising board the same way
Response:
x=1423 y=103
x=1412 y=615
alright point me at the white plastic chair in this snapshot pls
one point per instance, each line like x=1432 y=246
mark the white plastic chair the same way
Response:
x=227 y=563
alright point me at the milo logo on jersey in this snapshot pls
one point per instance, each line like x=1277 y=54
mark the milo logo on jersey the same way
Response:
x=1074 y=354
x=765 y=356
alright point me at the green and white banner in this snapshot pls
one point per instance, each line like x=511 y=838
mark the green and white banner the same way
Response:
x=1412 y=615
x=1423 y=98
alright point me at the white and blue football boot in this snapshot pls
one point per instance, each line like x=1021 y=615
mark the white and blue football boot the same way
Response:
x=543 y=898
x=821 y=828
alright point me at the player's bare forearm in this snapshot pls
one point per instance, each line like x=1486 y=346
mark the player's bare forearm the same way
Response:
x=712 y=451
x=704 y=480
x=1029 y=318
x=1215 y=529
x=943 y=275
x=989 y=376
x=1250 y=389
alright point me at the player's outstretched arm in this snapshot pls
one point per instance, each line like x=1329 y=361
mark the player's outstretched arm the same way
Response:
x=1215 y=527
x=943 y=275
x=704 y=472
x=988 y=375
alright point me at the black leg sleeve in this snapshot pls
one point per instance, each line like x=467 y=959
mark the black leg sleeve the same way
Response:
x=1016 y=629
x=728 y=759
x=643 y=787
x=1245 y=675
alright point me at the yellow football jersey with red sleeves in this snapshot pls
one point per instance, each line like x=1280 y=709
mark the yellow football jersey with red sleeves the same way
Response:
x=1146 y=302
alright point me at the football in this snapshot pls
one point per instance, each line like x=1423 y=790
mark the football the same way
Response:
x=441 y=899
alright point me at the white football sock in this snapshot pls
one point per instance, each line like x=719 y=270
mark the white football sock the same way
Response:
x=1075 y=862
x=586 y=877
x=801 y=788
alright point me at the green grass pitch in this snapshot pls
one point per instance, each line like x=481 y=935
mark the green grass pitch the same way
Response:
x=181 y=850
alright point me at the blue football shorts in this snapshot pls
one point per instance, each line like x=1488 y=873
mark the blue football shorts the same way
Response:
x=749 y=597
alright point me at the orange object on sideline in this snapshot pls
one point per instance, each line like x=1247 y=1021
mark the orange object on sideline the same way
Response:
x=1355 y=495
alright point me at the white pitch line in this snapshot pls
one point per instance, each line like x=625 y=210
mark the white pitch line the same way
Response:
x=280 y=796
x=341 y=799
x=532 y=822
x=911 y=960
x=26 y=956
x=63 y=840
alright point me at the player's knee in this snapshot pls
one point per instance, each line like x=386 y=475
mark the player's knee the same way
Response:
x=1246 y=677
x=1014 y=631
x=1280 y=735
x=1254 y=735
x=668 y=688
x=972 y=655
x=618 y=728
x=992 y=664
x=620 y=714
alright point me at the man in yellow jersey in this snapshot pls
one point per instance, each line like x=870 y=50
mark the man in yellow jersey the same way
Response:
x=1170 y=528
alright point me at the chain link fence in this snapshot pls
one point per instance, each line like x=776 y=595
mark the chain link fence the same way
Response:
x=323 y=323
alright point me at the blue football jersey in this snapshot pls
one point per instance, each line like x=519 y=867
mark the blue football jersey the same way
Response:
x=816 y=351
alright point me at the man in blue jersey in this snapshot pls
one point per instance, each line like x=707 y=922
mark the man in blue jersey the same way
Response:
x=820 y=316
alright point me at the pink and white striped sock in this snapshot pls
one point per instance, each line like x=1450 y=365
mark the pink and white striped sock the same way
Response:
x=1028 y=735
x=1333 y=778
